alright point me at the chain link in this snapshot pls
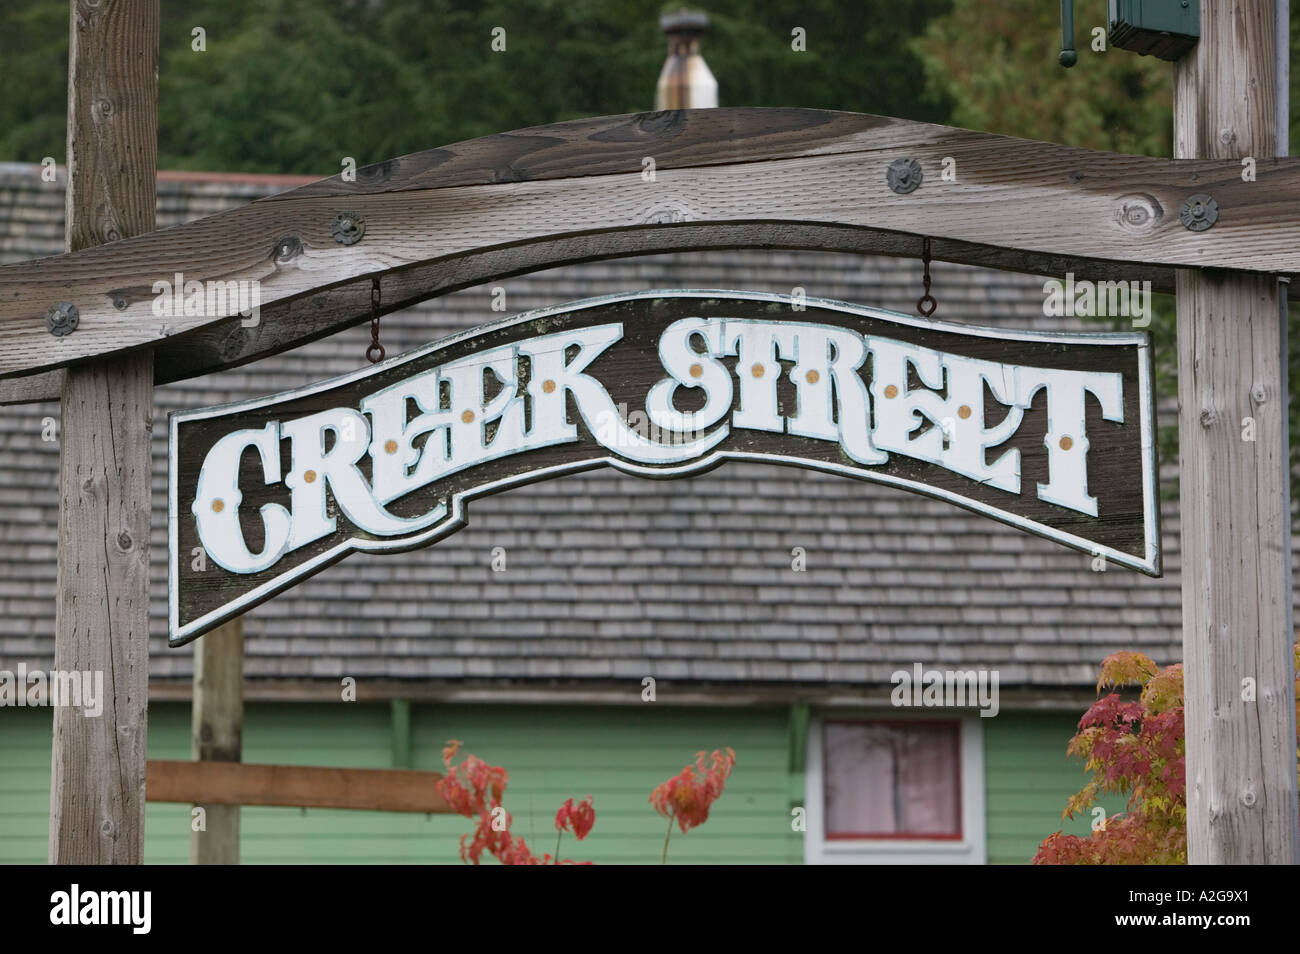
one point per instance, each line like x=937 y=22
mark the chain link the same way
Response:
x=927 y=303
x=375 y=353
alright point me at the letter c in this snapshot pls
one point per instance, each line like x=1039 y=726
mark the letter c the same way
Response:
x=217 y=498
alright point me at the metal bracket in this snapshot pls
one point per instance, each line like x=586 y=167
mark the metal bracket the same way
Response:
x=62 y=319
x=348 y=228
x=1199 y=212
x=1068 y=56
x=904 y=175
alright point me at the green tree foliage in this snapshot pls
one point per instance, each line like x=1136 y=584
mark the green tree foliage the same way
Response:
x=296 y=85
x=1295 y=77
x=997 y=61
x=34 y=81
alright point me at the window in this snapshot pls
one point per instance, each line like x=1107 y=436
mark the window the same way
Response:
x=897 y=780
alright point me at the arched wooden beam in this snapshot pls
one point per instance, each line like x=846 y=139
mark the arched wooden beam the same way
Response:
x=577 y=191
x=227 y=344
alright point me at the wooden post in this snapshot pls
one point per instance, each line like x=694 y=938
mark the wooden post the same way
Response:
x=1237 y=642
x=97 y=783
x=218 y=733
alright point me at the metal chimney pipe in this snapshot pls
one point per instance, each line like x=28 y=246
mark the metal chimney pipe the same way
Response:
x=685 y=81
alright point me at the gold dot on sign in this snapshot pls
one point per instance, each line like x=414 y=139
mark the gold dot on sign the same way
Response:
x=310 y=476
x=697 y=371
x=468 y=417
x=891 y=391
x=390 y=446
x=218 y=505
x=756 y=370
x=964 y=411
x=813 y=377
x=1066 y=443
x=548 y=386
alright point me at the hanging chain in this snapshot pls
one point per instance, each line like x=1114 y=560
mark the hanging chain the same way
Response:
x=375 y=353
x=927 y=303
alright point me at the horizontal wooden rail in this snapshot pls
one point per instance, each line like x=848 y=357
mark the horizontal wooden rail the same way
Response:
x=295 y=786
x=632 y=185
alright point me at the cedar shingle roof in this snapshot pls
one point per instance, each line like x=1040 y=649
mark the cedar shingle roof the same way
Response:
x=608 y=576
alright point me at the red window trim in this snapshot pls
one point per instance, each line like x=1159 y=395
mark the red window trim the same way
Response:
x=959 y=835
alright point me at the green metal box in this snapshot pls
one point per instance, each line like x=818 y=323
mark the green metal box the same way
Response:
x=1163 y=28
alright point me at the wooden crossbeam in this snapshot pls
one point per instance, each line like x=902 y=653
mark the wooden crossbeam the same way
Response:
x=722 y=178
x=294 y=786
x=226 y=344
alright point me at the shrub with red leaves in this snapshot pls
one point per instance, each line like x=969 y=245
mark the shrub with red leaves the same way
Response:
x=475 y=789
x=687 y=796
x=1135 y=748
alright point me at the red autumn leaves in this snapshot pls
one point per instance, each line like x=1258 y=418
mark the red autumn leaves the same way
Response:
x=576 y=818
x=475 y=789
x=1133 y=747
x=687 y=797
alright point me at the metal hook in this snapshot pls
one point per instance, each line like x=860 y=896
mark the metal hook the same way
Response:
x=375 y=353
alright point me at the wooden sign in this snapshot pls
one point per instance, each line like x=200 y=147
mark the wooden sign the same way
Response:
x=1049 y=432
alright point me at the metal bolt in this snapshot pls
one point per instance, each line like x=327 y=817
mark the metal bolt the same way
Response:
x=348 y=228
x=62 y=319
x=1199 y=212
x=286 y=248
x=904 y=175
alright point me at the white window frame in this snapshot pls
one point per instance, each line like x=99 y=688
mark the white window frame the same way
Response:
x=971 y=849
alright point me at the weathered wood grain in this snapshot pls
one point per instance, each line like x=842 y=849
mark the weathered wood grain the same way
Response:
x=1241 y=753
x=102 y=603
x=608 y=145
x=102 y=610
x=217 y=734
x=1049 y=208
x=297 y=786
x=32 y=389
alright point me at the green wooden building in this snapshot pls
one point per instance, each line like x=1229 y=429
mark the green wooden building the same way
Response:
x=557 y=751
